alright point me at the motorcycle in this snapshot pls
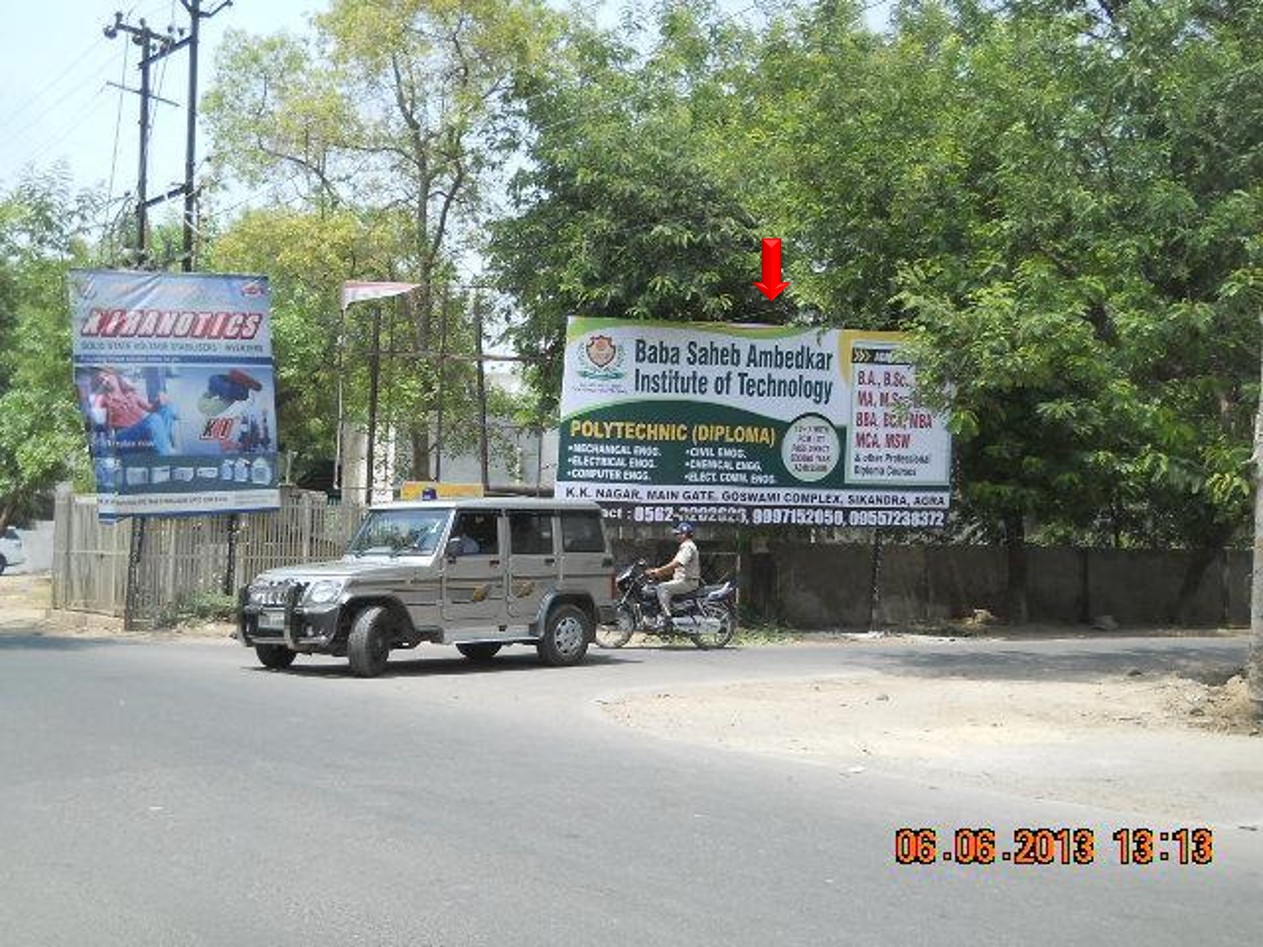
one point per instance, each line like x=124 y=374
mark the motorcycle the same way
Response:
x=707 y=615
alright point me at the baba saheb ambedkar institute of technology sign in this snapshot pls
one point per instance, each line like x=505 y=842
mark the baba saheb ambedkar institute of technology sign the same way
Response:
x=176 y=383
x=749 y=424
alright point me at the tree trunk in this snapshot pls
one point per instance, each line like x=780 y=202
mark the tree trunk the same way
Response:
x=419 y=437
x=1015 y=550
x=7 y=510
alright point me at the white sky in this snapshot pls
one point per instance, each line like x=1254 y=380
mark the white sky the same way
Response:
x=59 y=74
x=56 y=103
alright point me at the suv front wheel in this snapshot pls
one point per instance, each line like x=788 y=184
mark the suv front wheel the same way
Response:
x=566 y=635
x=274 y=656
x=368 y=644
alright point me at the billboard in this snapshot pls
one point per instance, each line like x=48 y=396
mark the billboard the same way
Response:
x=176 y=383
x=759 y=425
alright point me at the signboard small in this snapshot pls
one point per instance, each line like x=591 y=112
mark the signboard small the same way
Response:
x=176 y=383
x=765 y=425
x=434 y=490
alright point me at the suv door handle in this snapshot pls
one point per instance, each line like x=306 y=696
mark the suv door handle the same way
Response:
x=550 y=560
x=493 y=562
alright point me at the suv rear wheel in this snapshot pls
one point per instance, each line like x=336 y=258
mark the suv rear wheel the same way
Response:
x=368 y=645
x=566 y=635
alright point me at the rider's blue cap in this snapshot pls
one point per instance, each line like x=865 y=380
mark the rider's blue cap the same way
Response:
x=684 y=526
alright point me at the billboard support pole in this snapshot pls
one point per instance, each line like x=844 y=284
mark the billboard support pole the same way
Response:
x=135 y=552
x=230 y=567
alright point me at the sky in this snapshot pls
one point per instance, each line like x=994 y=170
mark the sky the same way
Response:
x=59 y=78
x=60 y=75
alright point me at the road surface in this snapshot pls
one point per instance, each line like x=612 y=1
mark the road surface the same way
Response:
x=175 y=793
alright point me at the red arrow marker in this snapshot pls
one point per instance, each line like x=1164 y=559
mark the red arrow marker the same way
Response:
x=771 y=285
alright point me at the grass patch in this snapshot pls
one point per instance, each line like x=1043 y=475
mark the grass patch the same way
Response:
x=763 y=633
x=198 y=607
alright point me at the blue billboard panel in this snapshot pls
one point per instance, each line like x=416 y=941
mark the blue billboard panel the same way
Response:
x=177 y=386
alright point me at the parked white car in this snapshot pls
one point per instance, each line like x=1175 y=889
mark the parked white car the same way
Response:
x=11 y=553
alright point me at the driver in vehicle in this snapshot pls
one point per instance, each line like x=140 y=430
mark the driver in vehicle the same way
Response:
x=685 y=569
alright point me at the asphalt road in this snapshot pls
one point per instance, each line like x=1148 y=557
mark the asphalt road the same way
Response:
x=174 y=793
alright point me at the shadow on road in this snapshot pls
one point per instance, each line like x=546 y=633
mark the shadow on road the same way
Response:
x=449 y=667
x=1209 y=664
x=38 y=642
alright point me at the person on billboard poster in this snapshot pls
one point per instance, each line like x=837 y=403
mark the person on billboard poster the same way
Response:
x=134 y=421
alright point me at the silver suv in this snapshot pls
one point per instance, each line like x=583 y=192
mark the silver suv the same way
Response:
x=478 y=574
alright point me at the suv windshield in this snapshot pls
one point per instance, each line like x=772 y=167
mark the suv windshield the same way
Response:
x=395 y=532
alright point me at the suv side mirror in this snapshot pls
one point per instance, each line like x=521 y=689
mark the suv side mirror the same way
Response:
x=455 y=547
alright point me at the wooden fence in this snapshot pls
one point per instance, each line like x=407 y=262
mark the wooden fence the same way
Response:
x=179 y=559
x=787 y=579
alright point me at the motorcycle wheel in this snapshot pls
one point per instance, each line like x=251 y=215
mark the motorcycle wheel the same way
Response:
x=619 y=633
x=708 y=640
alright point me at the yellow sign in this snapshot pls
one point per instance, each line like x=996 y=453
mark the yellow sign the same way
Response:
x=433 y=490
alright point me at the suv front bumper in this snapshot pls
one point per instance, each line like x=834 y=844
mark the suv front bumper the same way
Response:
x=291 y=624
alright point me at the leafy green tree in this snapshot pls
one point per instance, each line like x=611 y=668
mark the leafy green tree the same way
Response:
x=41 y=439
x=395 y=110
x=323 y=356
x=629 y=206
x=1052 y=197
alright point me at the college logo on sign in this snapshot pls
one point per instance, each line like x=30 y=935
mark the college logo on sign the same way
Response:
x=601 y=350
x=601 y=358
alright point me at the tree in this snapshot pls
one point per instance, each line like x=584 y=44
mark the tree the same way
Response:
x=1049 y=196
x=396 y=111
x=41 y=437
x=628 y=206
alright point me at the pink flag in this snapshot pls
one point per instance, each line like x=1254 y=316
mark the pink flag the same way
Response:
x=354 y=291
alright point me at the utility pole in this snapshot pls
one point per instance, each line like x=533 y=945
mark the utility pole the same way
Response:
x=196 y=15
x=154 y=47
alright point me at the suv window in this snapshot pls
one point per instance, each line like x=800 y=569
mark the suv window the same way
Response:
x=11 y=533
x=581 y=532
x=530 y=534
x=478 y=532
x=396 y=531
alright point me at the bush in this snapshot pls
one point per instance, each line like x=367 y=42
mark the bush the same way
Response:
x=200 y=606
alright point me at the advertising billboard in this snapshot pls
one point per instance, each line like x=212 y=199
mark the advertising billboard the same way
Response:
x=176 y=383
x=760 y=425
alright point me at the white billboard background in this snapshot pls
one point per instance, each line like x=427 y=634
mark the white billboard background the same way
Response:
x=749 y=424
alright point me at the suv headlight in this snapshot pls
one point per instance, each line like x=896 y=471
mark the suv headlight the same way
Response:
x=324 y=591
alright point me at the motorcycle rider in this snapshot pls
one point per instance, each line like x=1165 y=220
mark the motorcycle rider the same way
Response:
x=685 y=569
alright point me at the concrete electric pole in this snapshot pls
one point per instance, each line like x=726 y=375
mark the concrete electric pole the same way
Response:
x=154 y=47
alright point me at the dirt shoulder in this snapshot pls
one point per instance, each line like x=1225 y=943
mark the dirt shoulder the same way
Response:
x=25 y=605
x=1168 y=746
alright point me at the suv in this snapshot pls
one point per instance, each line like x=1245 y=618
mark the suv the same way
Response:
x=11 y=553
x=479 y=574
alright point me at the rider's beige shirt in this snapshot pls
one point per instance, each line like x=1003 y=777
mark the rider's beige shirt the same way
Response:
x=687 y=563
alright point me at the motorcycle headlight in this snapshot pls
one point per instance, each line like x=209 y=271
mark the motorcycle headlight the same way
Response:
x=324 y=591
